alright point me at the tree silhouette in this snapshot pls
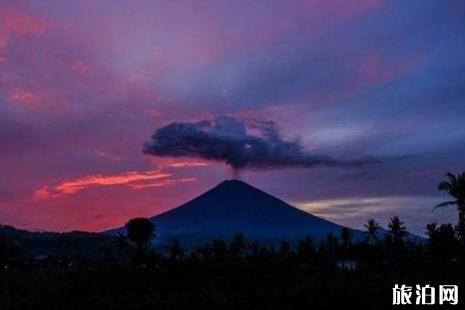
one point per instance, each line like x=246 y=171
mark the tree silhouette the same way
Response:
x=397 y=231
x=346 y=237
x=175 y=250
x=372 y=228
x=238 y=246
x=306 y=249
x=431 y=230
x=140 y=231
x=337 y=265
x=255 y=248
x=455 y=187
x=121 y=241
x=3 y=249
x=442 y=243
x=205 y=252
x=218 y=249
x=285 y=250
x=123 y=245
x=329 y=248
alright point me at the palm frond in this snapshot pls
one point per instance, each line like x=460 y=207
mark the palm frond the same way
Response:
x=444 y=186
x=445 y=204
x=451 y=176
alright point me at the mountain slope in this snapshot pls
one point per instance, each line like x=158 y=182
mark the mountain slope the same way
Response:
x=234 y=206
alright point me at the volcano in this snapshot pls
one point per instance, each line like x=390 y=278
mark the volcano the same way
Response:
x=234 y=206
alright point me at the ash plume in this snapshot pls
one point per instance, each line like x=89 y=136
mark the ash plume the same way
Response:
x=241 y=144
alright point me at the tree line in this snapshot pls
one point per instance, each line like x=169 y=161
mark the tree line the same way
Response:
x=445 y=243
x=379 y=247
x=340 y=271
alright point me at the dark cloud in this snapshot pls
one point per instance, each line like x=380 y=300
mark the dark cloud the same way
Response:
x=240 y=144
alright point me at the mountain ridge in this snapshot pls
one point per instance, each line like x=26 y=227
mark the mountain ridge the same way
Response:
x=234 y=206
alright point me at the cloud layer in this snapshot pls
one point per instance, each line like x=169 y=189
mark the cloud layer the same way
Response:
x=82 y=84
x=240 y=144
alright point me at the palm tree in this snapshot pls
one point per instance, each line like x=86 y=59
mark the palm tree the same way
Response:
x=397 y=231
x=346 y=236
x=455 y=187
x=442 y=244
x=372 y=230
x=431 y=229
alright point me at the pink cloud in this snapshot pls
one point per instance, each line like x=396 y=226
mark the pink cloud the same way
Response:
x=88 y=81
x=375 y=68
x=23 y=96
x=178 y=163
x=80 y=66
x=106 y=155
x=14 y=23
x=73 y=186
x=161 y=183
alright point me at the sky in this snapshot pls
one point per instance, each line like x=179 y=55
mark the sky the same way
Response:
x=84 y=84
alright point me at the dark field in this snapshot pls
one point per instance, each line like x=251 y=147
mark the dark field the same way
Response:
x=122 y=288
x=125 y=272
x=240 y=285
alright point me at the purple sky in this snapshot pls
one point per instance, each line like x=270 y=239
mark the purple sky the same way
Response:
x=83 y=84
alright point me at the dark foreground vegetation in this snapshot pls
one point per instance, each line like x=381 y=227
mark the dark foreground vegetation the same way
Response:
x=213 y=286
x=337 y=272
